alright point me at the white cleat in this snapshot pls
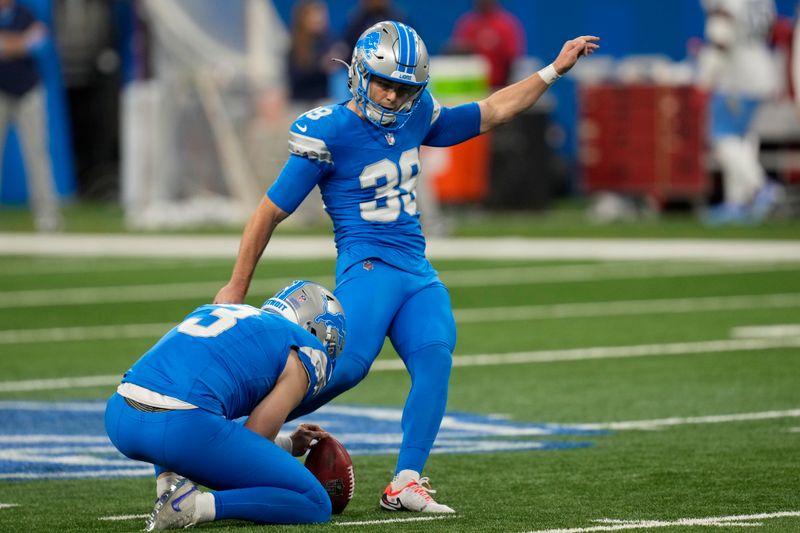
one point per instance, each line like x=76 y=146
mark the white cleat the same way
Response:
x=175 y=508
x=415 y=497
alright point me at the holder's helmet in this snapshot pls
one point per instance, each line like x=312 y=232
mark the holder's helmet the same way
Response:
x=390 y=51
x=315 y=308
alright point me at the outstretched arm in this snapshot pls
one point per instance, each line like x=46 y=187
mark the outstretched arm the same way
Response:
x=269 y=415
x=257 y=234
x=510 y=101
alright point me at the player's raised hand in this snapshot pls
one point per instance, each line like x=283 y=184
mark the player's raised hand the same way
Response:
x=304 y=436
x=574 y=50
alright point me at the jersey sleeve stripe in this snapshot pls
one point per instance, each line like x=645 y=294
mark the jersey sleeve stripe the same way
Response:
x=309 y=147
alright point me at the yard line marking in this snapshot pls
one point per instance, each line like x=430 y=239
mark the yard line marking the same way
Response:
x=773 y=330
x=453 y=278
x=627 y=307
x=712 y=521
x=298 y=247
x=159 y=292
x=543 y=356
x=82 y=266
x=598 y=272
x=124 y=517
x=462 y=315
x=125 y=472
x=608 y=352
x=8 y=505
x=680 y=421
x=393 y=520
x=59 y=383
x=360 y=523
x=84 y=333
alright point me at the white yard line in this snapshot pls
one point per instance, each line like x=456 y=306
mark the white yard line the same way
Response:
x=542 y=356
x=59 y=383
x=84 y=333
x=126 y=245
x=626 y=307
x=204 y=290
x=661 y=423
x=83 y=265
x=487 y=314
x=394 y=520
x=359 y=523
x=608 y=352
x=772 y=330
x=712 y=521
x=8 y=505
x=124 y=472
x=124 y=517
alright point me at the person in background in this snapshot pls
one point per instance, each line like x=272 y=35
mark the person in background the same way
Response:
x=494 y=33
x=309 y=62
x=23 y=103
x=177 y=408
x=364 y=156
x=737 y=66
x=368 y=13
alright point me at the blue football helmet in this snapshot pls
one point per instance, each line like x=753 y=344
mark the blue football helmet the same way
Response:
x=315 y=308
x=394 y=52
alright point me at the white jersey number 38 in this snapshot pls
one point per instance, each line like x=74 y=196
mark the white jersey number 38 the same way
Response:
x=397 y=194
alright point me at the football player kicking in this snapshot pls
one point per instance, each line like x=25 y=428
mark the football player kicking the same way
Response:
x=364 y=156
x=221 y=363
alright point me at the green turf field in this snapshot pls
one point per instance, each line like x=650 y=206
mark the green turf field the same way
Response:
x=694 y=416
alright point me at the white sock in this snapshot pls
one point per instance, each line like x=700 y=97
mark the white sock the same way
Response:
x=204 y=508
x=403 y=478
x=163 y=483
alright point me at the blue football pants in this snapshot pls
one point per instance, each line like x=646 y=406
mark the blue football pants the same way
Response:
x=415 y=312
x=252 y=478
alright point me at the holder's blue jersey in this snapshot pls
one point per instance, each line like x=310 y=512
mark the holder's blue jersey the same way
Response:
x=368 y=176
x=227 y=358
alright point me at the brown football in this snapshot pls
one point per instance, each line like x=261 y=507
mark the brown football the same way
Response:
x=330 y=463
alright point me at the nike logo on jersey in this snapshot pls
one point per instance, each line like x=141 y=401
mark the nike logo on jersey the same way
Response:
x=302 y=128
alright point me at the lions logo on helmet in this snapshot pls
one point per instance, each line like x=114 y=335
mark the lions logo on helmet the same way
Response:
x=394 y=52
x=316 y=309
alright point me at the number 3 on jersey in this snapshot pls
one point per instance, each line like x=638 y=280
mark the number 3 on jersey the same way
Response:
x=226 y=318
x=398 y=191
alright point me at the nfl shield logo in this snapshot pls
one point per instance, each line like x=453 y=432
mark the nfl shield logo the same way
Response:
x=368 y=265
x=390 y=139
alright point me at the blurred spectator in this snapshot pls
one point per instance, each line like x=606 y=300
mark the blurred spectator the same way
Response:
x=368 y=13
x=309 y=62
x=494 y=33
x=23 y=103
x=737 y=66
x=86 y=33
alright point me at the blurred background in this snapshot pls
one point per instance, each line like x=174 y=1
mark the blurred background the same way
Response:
x=173 y=114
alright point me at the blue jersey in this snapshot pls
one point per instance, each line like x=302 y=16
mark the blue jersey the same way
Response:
x=368 y=176
x=227 y=358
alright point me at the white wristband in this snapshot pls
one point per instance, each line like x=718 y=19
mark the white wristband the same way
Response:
x=284 y=442
x=549 y=74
